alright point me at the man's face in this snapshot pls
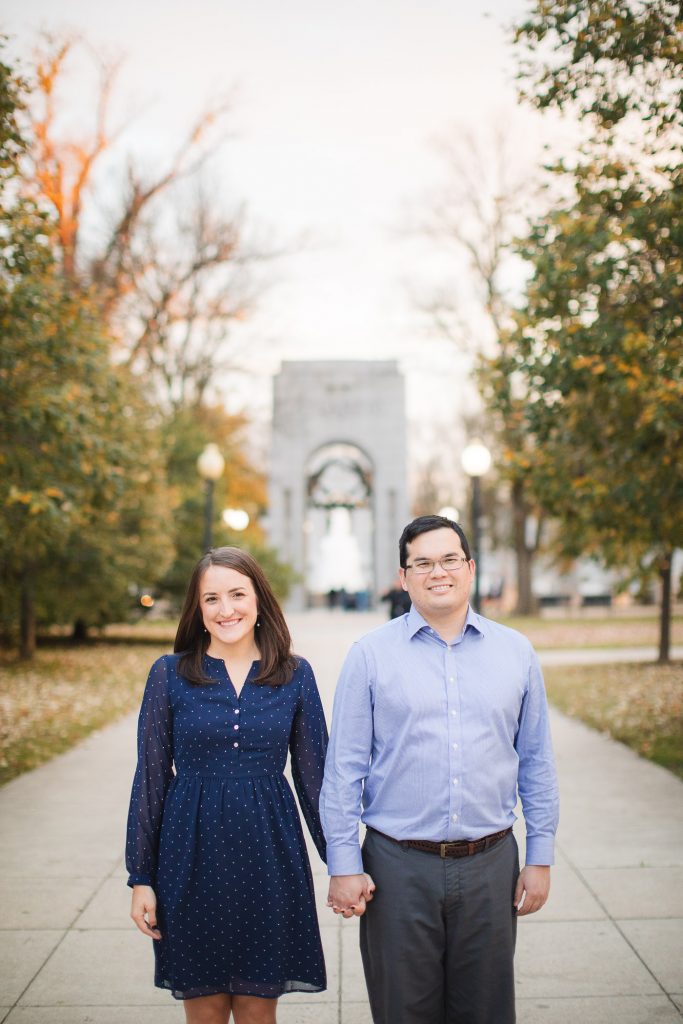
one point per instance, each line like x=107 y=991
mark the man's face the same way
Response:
x=440 y=592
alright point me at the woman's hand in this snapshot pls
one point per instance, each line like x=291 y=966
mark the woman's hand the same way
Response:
x=369 y=890
x=349 y=894
x=143 y=910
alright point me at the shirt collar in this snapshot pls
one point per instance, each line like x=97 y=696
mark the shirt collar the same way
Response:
x=416 y=622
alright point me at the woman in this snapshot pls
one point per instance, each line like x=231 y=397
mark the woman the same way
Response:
x=218 y=866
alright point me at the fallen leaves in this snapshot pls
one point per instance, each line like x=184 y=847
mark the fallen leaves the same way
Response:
x=640 y=705
x=584 y=630
x=52 y=702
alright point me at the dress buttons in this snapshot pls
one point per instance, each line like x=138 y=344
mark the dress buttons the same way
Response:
x=235 y=726
x=235 y=744
x=237 y=711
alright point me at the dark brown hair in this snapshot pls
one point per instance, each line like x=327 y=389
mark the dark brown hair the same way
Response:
x=273 y=637
x=425 y=524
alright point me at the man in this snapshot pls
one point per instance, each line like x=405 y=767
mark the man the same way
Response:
x=397 y=598
x=440 y=719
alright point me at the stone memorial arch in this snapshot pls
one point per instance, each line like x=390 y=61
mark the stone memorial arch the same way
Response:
x=338 y=493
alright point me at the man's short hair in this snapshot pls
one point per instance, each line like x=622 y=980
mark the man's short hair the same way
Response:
x=424 y=524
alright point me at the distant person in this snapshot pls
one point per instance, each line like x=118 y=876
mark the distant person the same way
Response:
x=440 y=720
x=217 y=860
x=397 y=599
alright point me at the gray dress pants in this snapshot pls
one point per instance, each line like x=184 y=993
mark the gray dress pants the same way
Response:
x=438 y=939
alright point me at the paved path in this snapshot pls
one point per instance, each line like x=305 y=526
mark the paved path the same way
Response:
x=607 y=949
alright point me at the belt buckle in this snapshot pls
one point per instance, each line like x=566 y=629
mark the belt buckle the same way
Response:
x=442 y=850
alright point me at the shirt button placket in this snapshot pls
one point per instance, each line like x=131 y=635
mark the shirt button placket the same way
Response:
x=235 y=742
x=454 y=801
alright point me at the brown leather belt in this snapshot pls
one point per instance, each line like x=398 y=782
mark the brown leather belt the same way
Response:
x=456 y=848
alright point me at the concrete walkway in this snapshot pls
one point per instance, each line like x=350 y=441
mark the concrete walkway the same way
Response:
x=607 y=949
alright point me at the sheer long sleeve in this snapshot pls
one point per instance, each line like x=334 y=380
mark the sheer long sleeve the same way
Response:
x=152 y=777
x=308 y=745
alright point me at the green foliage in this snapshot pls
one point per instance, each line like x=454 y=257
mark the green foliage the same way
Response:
x=598 y=345
x=610 y=59
x=12 y=144
x=82 y=508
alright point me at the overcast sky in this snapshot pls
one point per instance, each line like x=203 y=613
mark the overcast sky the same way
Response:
x=336 y=108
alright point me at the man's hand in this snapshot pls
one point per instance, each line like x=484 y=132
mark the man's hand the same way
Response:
x=533 y=886
x=349 y=894
x=144 y=910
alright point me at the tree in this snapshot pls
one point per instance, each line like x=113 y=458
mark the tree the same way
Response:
x=106 y=346
x=186 y=294
x=74 y=431
x=168 y=288
x=610 y=61
x=480 y=212
x=598 y=343
x=82 y=501
x=601 y=349
x=23 y=250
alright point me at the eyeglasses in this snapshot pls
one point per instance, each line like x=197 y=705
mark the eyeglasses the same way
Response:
x=451 y=563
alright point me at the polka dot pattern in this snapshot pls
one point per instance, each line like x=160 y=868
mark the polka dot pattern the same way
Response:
x=219 y=838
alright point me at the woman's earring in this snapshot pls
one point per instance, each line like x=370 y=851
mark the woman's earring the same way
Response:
x=258 y=623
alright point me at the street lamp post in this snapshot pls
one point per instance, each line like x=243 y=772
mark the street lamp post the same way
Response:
x=476 y=461
x=210 y=466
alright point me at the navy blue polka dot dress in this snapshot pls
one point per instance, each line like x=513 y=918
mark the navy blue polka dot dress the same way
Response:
x=220 y=840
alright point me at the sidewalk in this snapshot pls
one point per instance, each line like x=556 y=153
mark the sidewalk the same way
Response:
x=607 y=949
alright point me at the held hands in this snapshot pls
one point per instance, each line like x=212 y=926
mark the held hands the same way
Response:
x=349 y=894
x=144 y=910
x=531 y=891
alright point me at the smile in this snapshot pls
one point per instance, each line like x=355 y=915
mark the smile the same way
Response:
x=440 y=588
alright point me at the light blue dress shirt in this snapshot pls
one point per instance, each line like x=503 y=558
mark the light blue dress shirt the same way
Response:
x=434 y=741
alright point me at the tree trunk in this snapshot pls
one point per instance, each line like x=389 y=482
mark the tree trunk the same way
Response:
x=526 y=602
x=27 y=620
x=665 y=610
x=80 y=631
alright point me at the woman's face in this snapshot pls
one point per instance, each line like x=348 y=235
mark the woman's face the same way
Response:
x=227 y=602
